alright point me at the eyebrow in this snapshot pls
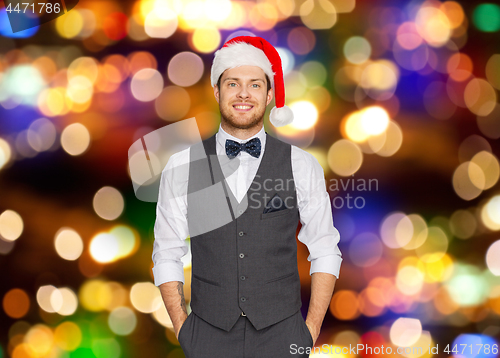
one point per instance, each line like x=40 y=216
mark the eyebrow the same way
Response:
x=237 y=79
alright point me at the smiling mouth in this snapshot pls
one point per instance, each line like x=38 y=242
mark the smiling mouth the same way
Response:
x=243 y=107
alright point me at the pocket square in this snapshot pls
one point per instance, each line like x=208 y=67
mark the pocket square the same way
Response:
x=274 y=204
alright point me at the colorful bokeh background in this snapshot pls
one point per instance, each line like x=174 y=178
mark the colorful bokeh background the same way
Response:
x=398 y=101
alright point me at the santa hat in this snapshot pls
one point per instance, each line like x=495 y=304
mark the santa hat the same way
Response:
x=255 y=51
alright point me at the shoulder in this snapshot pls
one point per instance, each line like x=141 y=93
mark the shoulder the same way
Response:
x=179 y=158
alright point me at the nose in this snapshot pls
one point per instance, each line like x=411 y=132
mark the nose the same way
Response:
x=243 y=93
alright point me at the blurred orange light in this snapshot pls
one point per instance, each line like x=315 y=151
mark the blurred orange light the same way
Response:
x=115 y=26
x=454 y=12
x=459 y=66
x=263 y=16
x=141 y=59
x=345 y=305
x=16 y=303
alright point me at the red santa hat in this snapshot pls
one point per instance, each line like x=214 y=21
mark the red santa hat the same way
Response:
x=255 y=51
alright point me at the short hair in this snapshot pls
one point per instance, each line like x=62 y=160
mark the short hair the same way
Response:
x=267 y=81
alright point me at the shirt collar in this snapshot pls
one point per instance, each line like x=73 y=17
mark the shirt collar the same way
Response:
x=222 y=135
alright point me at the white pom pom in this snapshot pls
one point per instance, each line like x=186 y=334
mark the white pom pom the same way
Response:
x=280 y=117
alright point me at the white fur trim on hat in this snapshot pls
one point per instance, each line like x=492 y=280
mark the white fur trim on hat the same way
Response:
x=280 y=117
x=239 y=54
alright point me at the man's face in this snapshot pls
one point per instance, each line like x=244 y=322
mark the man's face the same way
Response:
x=243 y=96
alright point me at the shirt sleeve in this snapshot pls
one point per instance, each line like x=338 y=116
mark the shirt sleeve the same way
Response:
x=317 y=232
x=171 y=227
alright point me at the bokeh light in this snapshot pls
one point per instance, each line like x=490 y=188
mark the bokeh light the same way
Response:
x=39 y=339
x=490 y=213
x=468 y=178
x=467 y=287
x=206 y=39
x=106 y=348
x=344 y=157
x=11 y=225
x=68 y=336
x=16 y=303
x=108 y=203
x=185 y=69
x=486 y=17
x=344 y=305
x=44 y=298
x=305 y=115
x=104 y=248
x=301 y=40
x=405 y=331
x=146 y=84
x=493 y=258
x=357 y=50
x=145 y=297
x=318 y=15
x=122 y=321
x=173 y=103
x=41 y=134
x=64 y=301
x=433 y=25
x=75 y=139
x=493 y=71
x=68 y=244
x=161 y=24
x=480 y=97
x=5 y=153
x=463 y=224
x=410 y=280
x=95 y=295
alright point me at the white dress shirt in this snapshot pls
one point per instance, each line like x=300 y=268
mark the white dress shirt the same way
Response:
x=171 y=226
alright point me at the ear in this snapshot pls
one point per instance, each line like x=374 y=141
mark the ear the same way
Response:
x=269 y=96
x=216 y=93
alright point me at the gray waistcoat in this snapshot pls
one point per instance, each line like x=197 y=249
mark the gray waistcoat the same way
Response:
x=242 y=259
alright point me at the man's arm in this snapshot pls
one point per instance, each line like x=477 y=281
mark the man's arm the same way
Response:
x=173 y=297
x=322 y=285
x=171 y=231
x=318 y=234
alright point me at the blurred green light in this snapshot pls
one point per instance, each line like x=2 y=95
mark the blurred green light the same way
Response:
x=486 y=17
x=82 y=352
x=1 y=352
x=106 y=348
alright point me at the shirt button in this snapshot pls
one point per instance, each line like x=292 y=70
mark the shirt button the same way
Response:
x=243 y=299
x=242 y=256
x=242 y=278
x=241 y=233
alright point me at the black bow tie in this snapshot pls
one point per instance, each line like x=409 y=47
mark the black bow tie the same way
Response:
x=252 y=147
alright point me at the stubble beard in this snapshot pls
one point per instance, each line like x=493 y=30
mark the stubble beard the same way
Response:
x=230 y=119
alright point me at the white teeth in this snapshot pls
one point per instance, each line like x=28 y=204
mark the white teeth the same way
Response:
x=242 y=107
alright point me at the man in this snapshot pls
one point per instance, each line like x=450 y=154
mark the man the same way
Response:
x=245 y=283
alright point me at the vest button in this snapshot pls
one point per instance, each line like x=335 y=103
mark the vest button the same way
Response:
x=240 y=211
x=242 y=256
x=242 y=278
x=241 y=233
x=243 y=299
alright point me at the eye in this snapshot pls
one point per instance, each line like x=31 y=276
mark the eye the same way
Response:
x=257 y=86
